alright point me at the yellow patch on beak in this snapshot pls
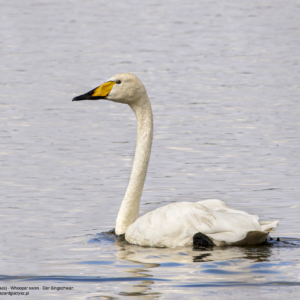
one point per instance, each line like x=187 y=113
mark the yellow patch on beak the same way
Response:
x=104 y=89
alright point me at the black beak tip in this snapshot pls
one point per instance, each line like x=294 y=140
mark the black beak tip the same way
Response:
x=82 y=97
x=87 y=96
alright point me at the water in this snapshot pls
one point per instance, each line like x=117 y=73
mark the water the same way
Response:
x=223 y=79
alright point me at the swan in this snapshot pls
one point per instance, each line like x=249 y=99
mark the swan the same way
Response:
x=204 y=223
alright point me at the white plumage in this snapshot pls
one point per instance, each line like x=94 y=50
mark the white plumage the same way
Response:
x=175 y=224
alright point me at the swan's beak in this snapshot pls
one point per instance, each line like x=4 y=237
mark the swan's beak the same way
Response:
x=99 y=92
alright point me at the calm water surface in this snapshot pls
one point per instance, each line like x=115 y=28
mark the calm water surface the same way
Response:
x=223 y=79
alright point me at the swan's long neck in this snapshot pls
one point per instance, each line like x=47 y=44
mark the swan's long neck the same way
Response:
x=129 y=210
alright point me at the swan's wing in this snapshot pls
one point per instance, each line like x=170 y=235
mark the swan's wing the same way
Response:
x=167 y=226
x=218 y=205
x=175 y=225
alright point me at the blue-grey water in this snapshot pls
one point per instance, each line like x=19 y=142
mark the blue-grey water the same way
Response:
x=224 y=81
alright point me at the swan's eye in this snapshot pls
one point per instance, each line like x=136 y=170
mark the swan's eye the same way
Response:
x=118 y=81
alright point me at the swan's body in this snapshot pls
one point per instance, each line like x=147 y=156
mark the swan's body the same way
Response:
x=174 y=224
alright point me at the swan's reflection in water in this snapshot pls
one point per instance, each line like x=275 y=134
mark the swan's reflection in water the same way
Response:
x=188 y=266
x=183 y=255
x=133 y=254
x=149 y=273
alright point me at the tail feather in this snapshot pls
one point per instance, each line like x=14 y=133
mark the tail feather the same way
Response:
x=268 y=225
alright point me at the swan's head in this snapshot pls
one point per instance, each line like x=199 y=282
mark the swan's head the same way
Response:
x=122 y=88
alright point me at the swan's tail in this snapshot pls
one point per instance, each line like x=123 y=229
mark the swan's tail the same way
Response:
x=268 y=225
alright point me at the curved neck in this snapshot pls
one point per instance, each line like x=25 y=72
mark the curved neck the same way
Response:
x=129 y=210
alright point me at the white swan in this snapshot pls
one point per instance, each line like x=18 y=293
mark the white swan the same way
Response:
x=175 y=224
